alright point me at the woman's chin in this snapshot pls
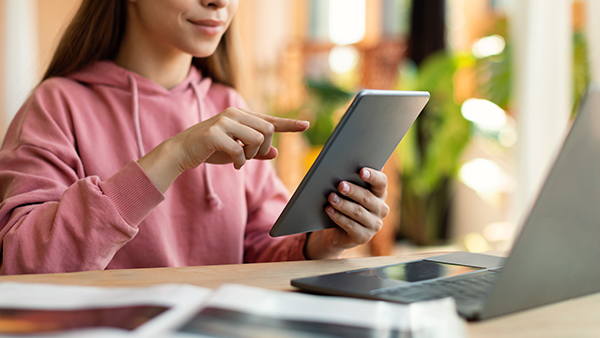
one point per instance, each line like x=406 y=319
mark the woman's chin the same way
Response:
x=203 y=51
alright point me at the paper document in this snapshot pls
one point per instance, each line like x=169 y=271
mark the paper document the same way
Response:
x=237 y=311
x=44 y=310
x=243 y=311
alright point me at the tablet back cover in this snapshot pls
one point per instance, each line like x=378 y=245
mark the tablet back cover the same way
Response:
x=366 y=136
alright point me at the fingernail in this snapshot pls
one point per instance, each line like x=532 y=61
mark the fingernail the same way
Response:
x=303 y=124
x=365 y=174
x=344 y=188
x=329 y=210
x=335 y=199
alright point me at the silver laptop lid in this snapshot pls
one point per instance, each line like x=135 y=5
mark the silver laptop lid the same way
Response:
x=557 y=254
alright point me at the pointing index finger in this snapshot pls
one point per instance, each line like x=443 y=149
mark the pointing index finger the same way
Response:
x=282 y=124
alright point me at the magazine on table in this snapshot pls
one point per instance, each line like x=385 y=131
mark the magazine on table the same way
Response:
x=42 y=310
x=177 y=310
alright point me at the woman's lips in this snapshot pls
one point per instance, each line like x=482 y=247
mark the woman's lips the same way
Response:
x=208 y=27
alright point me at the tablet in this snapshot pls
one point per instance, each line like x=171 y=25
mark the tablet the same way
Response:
x=366 y=136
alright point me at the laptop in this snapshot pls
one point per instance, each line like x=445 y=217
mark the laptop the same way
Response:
x=555 y=257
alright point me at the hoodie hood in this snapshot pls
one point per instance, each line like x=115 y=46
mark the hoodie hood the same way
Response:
x=107 y=73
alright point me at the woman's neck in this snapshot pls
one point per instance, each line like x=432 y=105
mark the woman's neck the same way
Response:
x=164 y=66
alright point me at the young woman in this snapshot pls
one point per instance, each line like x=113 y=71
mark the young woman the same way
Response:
x=135 y=151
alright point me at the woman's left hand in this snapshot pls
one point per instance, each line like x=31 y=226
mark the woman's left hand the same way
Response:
x=359 y=218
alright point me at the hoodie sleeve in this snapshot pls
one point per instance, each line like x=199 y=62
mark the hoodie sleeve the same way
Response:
x=52 y=217
x=267 y=196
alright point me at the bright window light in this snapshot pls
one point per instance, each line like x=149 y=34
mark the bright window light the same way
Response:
x=347 y=21
x=486 y=114
x=498 y=231
x=488 y=46
x=483 y=176
x=343 y=59
x=474 y=242
x=507 y=136
x=488 y=180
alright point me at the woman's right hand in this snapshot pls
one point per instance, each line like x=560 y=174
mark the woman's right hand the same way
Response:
x=232 y=136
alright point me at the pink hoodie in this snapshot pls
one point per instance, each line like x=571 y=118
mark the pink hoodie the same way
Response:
x=73 y=197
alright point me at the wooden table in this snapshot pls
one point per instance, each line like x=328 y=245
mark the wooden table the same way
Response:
x=573 y=318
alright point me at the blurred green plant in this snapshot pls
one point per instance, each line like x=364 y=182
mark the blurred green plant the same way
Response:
x=494 y=77
x=494 y=73
x=431 y=150
x=325 y=98
x=581 y=68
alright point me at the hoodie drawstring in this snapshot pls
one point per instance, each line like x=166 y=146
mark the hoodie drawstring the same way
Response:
x=212 y=198
x=135 y=106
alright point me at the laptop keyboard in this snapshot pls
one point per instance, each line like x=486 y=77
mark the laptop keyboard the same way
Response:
x=467 y=289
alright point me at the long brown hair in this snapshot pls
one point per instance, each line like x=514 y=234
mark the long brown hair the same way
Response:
x=96 y=32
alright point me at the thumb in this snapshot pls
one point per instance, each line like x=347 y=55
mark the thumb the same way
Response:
x=273 y=152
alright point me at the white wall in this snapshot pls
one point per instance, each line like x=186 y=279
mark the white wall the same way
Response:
x=20 y=55
x=542 y=34
x=593 y=37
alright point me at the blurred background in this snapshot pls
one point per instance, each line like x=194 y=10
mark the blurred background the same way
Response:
x=505 y=77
